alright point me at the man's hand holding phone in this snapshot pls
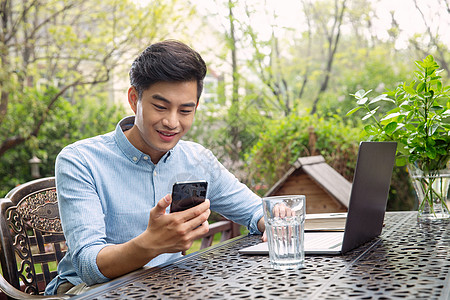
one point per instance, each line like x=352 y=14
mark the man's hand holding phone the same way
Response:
x=176 y=231
x=165 y=233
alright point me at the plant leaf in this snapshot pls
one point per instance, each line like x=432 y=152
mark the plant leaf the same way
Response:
x=410 y=127
x=409 y=90
x=420 y=87
x=361 y=94
x=366 y=116
x=381 y=97
x=362 y=101
x=431 y=152
x=433 y=129
x=406 y=107
x=371 y=129
x=401 y=161
x=352 y=111
x=436 y=107
x=370 y=113
x=390 y=128
x=391 y=116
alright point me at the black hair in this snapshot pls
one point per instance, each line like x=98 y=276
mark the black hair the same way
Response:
x=170 y=61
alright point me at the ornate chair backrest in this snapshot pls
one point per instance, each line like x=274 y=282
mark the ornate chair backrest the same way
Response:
x=32 y=240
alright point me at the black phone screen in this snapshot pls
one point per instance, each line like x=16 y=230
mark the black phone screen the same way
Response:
x=188 y=194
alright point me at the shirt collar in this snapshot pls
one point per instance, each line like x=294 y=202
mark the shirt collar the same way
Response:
x=133 y=154
x=168 y=155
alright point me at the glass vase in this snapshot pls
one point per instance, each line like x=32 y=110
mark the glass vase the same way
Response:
x=432 y=190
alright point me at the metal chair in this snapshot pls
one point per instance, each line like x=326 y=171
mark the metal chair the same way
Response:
x=31 y=239
x=227 y=228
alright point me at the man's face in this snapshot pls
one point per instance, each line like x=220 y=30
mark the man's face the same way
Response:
x=163 y=115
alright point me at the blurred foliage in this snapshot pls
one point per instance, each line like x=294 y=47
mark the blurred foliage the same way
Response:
x=65 y=124
x=58 y=67
x=363 y=67
x=211 y=126
x=283 y=141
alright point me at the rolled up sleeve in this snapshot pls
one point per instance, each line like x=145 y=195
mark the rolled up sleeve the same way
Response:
x=82 y=215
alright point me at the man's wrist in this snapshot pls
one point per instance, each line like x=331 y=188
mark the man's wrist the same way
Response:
x=261 y=225
x=143 y=246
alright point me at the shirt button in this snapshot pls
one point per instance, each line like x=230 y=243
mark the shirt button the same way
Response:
x=154 y=173
x=135 y=158
x=145 y=157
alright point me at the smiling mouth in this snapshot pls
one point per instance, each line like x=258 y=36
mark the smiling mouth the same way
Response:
x=169 y=134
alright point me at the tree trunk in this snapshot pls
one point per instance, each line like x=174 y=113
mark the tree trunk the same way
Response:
x=333 y=40
x=234 y=111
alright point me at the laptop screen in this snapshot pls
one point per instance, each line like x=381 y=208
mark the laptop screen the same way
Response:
x=369 y=193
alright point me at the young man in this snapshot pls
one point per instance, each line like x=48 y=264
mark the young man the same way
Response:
x=114 y=189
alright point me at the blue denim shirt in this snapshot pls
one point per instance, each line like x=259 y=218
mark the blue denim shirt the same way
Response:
x=106 y=189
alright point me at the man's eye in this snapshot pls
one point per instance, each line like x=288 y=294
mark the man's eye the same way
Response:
x=186 y=111
x=159 y=106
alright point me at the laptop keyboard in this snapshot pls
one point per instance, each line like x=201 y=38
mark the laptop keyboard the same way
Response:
x=323 y=240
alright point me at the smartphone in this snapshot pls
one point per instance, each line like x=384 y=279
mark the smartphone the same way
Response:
x=188 y=194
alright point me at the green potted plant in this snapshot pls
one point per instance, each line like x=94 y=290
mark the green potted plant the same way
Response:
x=420 y=123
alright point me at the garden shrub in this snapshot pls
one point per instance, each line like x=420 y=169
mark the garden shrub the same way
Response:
x=282 y=142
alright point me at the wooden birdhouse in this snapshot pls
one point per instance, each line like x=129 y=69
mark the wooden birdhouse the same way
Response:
x=325 y=189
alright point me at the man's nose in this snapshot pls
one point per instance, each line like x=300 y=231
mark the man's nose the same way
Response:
x=170 y=121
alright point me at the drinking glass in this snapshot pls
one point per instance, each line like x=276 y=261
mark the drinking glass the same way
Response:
x=285 y=223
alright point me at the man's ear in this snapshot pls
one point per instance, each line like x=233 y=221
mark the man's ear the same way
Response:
x=133 y=98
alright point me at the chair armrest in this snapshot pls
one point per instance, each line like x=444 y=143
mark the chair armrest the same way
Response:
x=225 y=227
x=12 y=292
x=217 y=227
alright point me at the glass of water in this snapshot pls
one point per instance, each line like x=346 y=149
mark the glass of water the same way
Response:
x=285 y=223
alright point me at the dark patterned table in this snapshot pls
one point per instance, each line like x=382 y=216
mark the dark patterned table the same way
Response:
x=408 y=261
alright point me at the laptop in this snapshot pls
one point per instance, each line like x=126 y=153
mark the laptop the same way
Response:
x=367 y=206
